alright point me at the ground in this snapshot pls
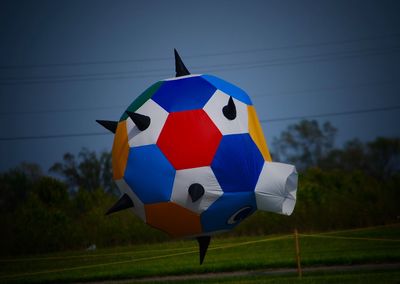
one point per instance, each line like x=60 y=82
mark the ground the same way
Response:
x=333 y=257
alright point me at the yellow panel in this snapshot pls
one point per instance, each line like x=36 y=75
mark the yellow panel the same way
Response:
x=256 y=133
x=120 y=151
x=173 y=219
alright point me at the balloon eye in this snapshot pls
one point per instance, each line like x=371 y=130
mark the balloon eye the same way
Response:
x=196 y=191
x=239 y=215
x=142 y=121
x=229 y=110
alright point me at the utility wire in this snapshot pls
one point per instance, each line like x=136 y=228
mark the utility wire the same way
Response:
x=238 y=67
x=239 y=64
x=329 y=114
x=282 y=47
x=63 y=110
x=53 y=136
x=214 y=67
x=272 y=120
x=325 y=89
x=304 y=92
x=310 y=59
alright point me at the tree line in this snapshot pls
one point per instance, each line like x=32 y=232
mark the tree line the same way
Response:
x=353 y=186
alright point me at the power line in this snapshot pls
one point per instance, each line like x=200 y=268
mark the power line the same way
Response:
x=326 y=88
x=272 y=120
x=220 y=67
x=283 y=60
x=137 y=60
x=65 y=110
x=330 y=114
x=278 y=60
x=281 y=93
x=85 y=79
x=301 y=61
x=53 y=136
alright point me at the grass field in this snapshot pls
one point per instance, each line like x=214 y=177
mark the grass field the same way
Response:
x=356 y=277
x=369 y=245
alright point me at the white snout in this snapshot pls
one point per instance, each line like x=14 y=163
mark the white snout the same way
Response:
x=276 y=188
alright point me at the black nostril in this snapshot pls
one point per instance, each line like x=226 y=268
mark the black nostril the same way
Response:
x=229 y=110
x=196 y=191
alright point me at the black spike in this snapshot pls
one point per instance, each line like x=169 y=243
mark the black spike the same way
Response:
x=229 y=110
x=180 y=68
x=108 y=124
x=196 y=191
x=142 y=121
x=124 y=202
x=203 y=241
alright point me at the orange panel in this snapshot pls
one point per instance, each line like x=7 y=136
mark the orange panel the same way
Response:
x=173 y=219
x=120 y=151
x=256 y=133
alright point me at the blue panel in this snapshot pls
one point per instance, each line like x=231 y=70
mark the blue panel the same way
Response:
x=149 y=174
x=229 y=89
x=220 y=214
x=184 y=94
x=237 y=163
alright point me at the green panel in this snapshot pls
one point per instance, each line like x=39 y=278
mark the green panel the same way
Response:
x=146 y=95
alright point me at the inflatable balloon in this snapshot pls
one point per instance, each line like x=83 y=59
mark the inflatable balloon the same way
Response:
x=190 y=158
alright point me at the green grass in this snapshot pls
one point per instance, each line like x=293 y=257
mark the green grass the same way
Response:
x=381 y=244
x=356 y=277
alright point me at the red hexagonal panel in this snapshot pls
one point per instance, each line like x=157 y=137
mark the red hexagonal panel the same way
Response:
x=189 y=139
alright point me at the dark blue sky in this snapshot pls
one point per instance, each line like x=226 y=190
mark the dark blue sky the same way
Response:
x=64 y=64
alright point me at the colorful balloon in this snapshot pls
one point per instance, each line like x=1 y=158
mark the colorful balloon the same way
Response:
x=190 y=158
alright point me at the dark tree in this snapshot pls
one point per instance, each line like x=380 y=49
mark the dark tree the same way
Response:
x=88 y=171
x=16 y=184
x=305 y=144
x=353 y=156
x=384 y=157
x=379 y=158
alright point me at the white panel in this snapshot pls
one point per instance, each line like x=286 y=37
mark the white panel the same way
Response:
x=157 y=115
x=138 y=207
x=203 y=176
x=276 y=188
x=214 y=110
